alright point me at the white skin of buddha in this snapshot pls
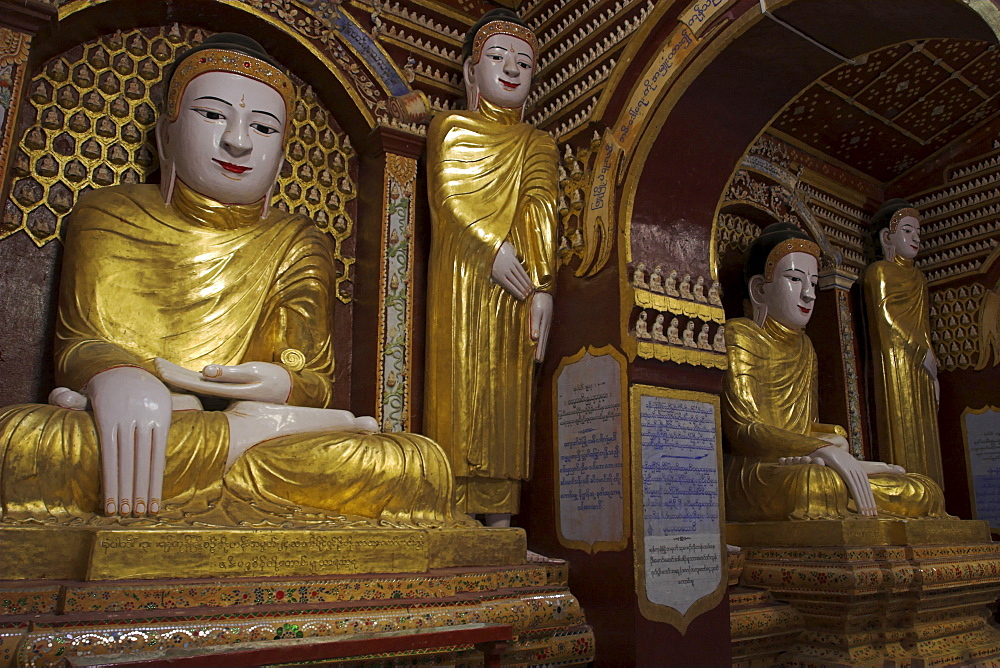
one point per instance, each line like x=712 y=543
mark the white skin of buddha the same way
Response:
x=699 y=290
x=227 y=143
x=656 y=280
x=639 y=276
x=686 y=287
x=789 y=299
x=719 y=342
x=689 y=335
x=703 y=338
x=671 y=284
x=640 y=326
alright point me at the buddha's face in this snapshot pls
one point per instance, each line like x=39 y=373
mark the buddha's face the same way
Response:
x=227 y=142
x=503 y=73
x=674 y=323
x=659 y=319
x=905 y=241
x=791 y=294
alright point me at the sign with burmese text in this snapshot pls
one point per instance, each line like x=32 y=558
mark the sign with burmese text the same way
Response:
x=981 y=428
x=676 y=474
x=590 y=462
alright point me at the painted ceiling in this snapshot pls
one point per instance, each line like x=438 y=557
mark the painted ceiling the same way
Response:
x=897 y=106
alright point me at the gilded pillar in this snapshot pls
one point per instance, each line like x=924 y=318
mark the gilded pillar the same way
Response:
x=387 y=300
x=19 y=21
x=840 y=382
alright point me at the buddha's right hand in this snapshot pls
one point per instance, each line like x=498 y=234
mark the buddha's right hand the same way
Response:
x=132 y=410
x=509 y=274
x=853 y=474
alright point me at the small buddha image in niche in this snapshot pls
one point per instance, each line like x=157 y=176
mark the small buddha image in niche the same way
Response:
x=641 y=327
x=719 y=342
x=688 y=337
x=714 y=294
x=670 y=286
x=673 y=333
x=699 y=290
x=686 y=288
x=658 y=329
x=703 y=342
x=656 y=280
x=639 y=276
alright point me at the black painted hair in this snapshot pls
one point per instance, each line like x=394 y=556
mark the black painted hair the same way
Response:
x=879 y=222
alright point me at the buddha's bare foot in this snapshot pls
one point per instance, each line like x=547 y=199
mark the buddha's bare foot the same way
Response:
x=497 y=520
x=63 y=397
x=798 y=461
x=880 y=468
x=252 y=422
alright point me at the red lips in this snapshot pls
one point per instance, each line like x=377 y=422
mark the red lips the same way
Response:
x=805 y=310
x=509 y=85
x=230 y=167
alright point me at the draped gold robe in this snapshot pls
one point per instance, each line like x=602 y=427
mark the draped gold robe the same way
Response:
x=898 y=309
x=770 y=398
x=199 y=282
x=491 y=178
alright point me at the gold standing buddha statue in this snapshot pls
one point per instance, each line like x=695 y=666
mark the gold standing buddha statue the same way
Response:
x=492 y=187
x=781 y=462
x=172 y=288
x=905 y=367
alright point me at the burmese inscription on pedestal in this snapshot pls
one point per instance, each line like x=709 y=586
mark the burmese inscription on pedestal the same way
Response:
x=676 y=472
x=982 y=441
x=590 y=463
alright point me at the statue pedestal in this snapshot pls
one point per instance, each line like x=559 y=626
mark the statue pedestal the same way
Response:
x=761 y=629
x=893 y=600
x=118 y=552
x=44 y=622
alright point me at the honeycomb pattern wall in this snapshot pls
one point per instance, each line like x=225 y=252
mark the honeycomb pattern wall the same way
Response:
x=88 y=123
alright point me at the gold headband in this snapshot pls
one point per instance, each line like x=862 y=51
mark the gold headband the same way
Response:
x=900 y=215
x=783 y=249
x=222 y=60
x=502 y=28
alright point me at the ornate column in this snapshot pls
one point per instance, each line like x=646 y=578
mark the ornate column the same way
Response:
x=19 y=21
x=388 y=283
x=843 y=398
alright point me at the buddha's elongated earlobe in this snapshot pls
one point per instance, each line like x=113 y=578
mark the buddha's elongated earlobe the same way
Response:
x=168 y=171
x=888 y=249
x=756 y=288
x=471 y=88
x=266 y=204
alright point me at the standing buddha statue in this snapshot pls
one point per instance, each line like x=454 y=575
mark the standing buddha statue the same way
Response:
x=201 y=288
x=492 y=187
x=905 y=367
x=781 y=462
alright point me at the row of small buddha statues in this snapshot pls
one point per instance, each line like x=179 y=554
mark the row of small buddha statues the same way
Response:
x=672 y=334
x=683 y=288
x=204 y=289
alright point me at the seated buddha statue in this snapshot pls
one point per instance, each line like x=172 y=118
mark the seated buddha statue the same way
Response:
x=781 y=462
x=201 y=288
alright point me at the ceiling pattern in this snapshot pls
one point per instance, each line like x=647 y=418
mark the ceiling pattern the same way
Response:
x=897 y=106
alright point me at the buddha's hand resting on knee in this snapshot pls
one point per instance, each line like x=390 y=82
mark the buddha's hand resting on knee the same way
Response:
x=250 y=381
x=132 y=410
x=853 y=474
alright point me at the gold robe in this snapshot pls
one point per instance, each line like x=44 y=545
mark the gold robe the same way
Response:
x=770 y=398
x=198 y=282
x=491 y=178
x=898 y=308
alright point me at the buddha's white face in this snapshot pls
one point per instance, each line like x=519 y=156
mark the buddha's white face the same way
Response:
x=503 y=73
x=791 y=295
x=905 y=241
x=228 y=140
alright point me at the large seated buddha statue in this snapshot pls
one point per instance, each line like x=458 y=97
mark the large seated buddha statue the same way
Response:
x=781 y=462
x=200 y=288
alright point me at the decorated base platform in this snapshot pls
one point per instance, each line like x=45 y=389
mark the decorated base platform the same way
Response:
x=761 y=629
x=44 y=622
x=894 y=601
x=123 y=552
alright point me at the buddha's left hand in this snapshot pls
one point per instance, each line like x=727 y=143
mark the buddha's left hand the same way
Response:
x=250 y=381
x=931 y=365
x=541 y=322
